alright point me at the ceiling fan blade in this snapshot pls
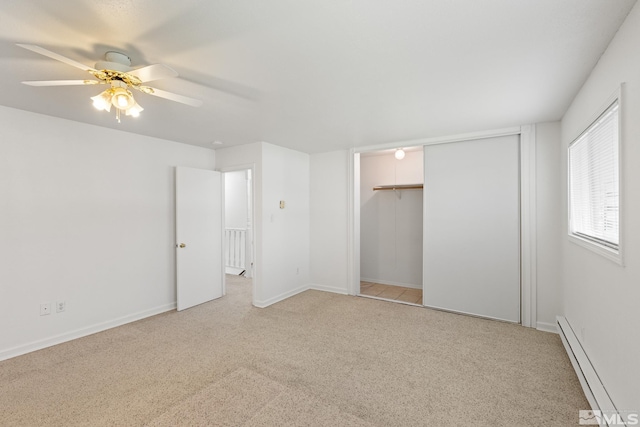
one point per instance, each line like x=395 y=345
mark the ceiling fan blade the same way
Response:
x=174 y=97
x=154 y=72
x=53 y=55
x=61 y=82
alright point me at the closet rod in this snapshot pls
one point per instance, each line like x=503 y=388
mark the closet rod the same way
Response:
x=399 y=187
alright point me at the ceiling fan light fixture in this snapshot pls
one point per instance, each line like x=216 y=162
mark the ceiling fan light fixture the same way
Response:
x=116 y=71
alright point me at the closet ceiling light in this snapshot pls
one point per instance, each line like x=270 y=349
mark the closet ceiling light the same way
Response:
x=399 y=154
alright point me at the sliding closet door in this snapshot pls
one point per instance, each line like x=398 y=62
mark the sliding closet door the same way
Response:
x=472 y=227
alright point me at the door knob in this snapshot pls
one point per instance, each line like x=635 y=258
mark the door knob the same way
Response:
x=182 y=245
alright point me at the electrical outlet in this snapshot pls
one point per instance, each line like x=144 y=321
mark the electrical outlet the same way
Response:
x=45 y=308
x=61 y=306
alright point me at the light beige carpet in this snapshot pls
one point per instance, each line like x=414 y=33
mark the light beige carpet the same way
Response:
x=249 y=399
x=316 y=359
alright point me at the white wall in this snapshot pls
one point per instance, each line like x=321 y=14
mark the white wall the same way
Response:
x=285 y=176
x=329 y=218
x=549 y=224
x=601 y=298
x=236 y=198
x=391 y=226
x=86 y=216
x=282 y=235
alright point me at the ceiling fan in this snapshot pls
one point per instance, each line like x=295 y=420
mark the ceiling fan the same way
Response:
x=116 y=71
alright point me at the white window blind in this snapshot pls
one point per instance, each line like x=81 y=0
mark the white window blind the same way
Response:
x=594 y=182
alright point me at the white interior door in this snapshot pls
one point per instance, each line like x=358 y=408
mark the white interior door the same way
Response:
x=472 y=227
x=200 y=269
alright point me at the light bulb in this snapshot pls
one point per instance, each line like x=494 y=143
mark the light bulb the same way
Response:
x=122 y=98
x=135 y=110
x=98 y=103
x=102 y=101
x=121 y=101
x=399 y=154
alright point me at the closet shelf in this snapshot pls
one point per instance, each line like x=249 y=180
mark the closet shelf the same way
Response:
x=399 y=187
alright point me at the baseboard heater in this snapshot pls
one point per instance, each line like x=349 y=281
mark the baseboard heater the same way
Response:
x=593 y=388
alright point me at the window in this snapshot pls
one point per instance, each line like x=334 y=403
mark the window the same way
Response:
x=594 y=188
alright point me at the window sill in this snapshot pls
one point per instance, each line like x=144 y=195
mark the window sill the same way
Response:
x=610 y=254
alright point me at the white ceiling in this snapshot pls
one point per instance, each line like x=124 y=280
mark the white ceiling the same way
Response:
x=314 y=75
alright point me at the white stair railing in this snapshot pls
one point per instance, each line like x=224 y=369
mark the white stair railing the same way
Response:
x=235 y=242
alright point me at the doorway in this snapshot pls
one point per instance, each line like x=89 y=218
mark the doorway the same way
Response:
x=238 y=234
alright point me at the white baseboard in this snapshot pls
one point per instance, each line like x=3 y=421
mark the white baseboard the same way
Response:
x=594 y=390
x=283 y=296
x=333 y=289
x=82 y=332
x=387 y=282
x=547 y=327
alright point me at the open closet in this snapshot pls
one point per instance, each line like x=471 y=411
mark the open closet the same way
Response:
x=391 y=225
x=441 y=226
